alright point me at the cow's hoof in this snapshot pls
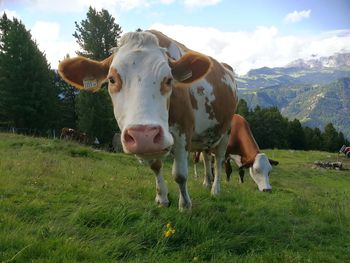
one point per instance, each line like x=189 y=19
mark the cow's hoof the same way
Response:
x=215 y=192
x=162 y=203
x=185 y=208
x=185 y=204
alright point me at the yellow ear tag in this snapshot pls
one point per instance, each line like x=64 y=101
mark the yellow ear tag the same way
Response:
x=90 y=84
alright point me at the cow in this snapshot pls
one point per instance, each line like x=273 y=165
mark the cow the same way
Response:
x=67 y=133
x=244 y=150
x=73 y=135
x=165 y=98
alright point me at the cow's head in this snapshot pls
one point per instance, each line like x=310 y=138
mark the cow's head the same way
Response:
x=260 y=172
x=140 y=79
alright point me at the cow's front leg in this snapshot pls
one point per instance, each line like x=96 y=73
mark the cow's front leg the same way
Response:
x=219 y=159
x=180 y=172
x=161 y=188
x=207 y=170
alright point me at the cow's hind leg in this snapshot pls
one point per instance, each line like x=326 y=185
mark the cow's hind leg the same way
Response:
x=207 y=170
x=219 y=159
x=180 y=172
x=161 y=188
x=228 y=169
x=241 y=175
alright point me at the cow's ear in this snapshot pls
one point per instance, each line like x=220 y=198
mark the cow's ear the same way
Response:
x=190 y=67
x=84 y=73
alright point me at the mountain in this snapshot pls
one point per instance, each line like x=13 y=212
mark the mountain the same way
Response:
x=335 y=61
x=315 y=91
x=315 y=71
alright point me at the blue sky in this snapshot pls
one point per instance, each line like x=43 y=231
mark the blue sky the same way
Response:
x=246 y=34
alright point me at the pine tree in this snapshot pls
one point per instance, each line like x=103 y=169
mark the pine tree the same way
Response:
x=96 y=36
x=67 y=102
x=330 y=138
x=296 y=136
x=28 y=97
x=242 y=108
x=269 y=127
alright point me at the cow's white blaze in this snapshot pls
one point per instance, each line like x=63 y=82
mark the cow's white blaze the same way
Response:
x=260 y=172
x=142 y=66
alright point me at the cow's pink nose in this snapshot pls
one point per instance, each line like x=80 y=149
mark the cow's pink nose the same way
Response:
x=140 y=139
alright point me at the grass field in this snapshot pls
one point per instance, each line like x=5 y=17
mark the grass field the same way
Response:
x=61 y=202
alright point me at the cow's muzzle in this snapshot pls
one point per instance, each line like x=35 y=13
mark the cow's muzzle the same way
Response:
x=144 y=140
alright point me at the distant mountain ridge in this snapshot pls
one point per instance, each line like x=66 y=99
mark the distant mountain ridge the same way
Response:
x=315 y=91
x=335 y=61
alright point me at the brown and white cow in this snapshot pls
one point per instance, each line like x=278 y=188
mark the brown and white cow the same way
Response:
x=165 y=97
x=73 y=135
x=244 y=150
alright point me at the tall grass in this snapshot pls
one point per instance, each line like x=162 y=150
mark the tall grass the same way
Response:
x=62 y=202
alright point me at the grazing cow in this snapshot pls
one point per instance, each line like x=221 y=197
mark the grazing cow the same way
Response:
x=71 y=134
x=165 y=97
x=67 y=133
x=244 y=150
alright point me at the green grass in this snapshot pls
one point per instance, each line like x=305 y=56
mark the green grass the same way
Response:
x=61 y=202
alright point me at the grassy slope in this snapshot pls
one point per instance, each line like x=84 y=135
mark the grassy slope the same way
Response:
x=60 y=202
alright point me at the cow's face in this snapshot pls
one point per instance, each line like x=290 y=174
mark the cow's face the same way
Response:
x=140 y=80
x=260 y=172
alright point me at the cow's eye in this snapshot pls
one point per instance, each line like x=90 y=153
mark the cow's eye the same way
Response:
x=169 y=81
x=111 y=80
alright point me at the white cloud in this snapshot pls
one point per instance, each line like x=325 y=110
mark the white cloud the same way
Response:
x=265 y=46
x=50 y=41
x=166 y=2
x=65 y=6
x=195 y=3
x=45 y=31
x=79 y=5
x=297 y=16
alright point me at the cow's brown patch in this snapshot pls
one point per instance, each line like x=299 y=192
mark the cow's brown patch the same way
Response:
x=115 y=81
x=181 y=112
x=241 y=141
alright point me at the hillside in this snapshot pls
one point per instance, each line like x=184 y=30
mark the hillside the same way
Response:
x=313 y=105
x=316 y=91
x=62 y=202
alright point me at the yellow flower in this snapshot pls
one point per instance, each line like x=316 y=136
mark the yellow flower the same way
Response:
x=169 y=230
x=167 y=233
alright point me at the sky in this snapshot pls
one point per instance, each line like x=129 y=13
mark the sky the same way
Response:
x=246 y=34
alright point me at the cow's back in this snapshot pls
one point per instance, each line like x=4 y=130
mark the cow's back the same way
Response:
x=202 y=112
x=241 y=141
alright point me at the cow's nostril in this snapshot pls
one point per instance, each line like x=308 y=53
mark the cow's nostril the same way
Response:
x=128 y=138
x=157 y=139
x=267 y=190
